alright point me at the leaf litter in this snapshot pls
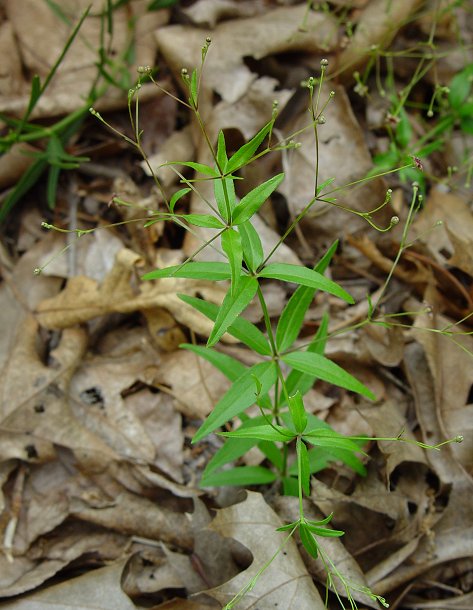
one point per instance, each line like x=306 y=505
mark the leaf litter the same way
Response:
x=99 y=493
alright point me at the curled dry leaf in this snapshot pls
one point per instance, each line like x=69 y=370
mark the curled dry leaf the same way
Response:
x=135 y=515
x=226 y=72
x=96 y=589
x=52 y=553
x=253 y=523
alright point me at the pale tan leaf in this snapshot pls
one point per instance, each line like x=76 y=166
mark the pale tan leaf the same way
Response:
x=232 y=40
x=39 y=406
x=97 y=590
x=286 y=580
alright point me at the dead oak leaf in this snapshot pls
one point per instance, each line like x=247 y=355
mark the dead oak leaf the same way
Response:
x=285 y=581
x=37 y=405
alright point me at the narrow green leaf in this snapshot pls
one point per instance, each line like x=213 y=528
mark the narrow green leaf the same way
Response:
x=466 y=125
x=253 y=200
x=27 y=180
x=203 y=220
x=213 y=271
x=273 y=453
x=324 y=185
x=224 y=191
x=35 y=93
x=325 y=369
x=241 y=329
x=239 y=397
x=233 y=448
x=460 y=87
x=321 y=522
x=178 y=195
x=308 y=541
x=51 y=190
x=292 y=316
x=305 y=277
x=290 y=486
x=232 y=307
x=298 y=414
x=230 y=367
x=252 y=247
x=324 y=437
x=403 y=130
x=240 y=475
x=198 y=167
x=303 y=466
x=264 y=432
x=247 y=151
x=221 y=151
x=289 y=526
x=302 y=382
x=324 y=531
x=231 y=244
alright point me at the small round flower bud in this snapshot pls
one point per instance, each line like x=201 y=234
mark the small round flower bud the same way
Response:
x=184 y=71
x=332 y=93
x=144 y=69
x=36 y=271
x=415 y=185
x=321 y=119
x=439 y=223
x=459 y=438
x=430 y=113
x=394 y=220
x=323 y=63
x=208 y=40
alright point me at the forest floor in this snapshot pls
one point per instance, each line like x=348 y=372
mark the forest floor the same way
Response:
x=100 y=503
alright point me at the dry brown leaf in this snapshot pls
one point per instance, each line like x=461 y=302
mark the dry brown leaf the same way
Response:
x=225 y=71
x=84 y=298
x=39 y=406
x=131 y=514
x=194 y=384
x=97 y=389
x=209 y=12
x=163 y=427
x=386 y=345
x=20 y=292
x=52 y=553
x=390 y=420
x=452 y=242
x=41 y=35
x=150 y=572
x=441 y=376
x=98 y=589
x=286 y=581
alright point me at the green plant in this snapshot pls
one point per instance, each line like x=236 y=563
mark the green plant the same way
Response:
x=295 y=442
x=111 y=71
x=450 y=106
